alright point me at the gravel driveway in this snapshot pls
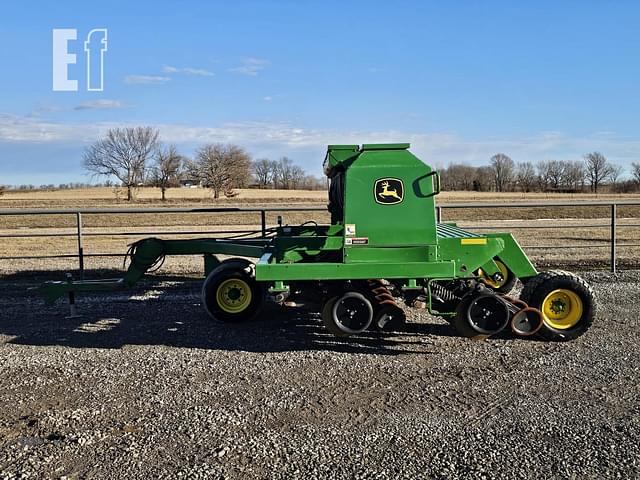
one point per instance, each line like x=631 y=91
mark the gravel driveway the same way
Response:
x=147 y=386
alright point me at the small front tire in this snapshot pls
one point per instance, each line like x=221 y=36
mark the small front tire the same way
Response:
x=231 y=293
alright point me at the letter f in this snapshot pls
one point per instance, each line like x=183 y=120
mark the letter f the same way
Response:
x=96 y=40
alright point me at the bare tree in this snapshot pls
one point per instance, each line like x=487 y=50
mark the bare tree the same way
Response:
x=526 y=176
x=597 y=169
x=123 y=153
x=503 y=168
x=312 y=182
x=635 y=171
x=166 y=169
x=297 y=177
x=284 y=172
x=458 y=176
x=544 y=178
x=221 y=167
x=264 y=171
x=556 y=173
x=615 y=173
x=574 y=175
x=483 y=180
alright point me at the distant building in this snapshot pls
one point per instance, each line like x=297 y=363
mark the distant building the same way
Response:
x=189 y=183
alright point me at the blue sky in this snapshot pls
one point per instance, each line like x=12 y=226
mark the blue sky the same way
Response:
x=459 y=80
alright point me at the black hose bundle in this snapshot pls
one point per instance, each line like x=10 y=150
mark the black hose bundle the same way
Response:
x=336 y=197
x=268 y=232
x=131 y=254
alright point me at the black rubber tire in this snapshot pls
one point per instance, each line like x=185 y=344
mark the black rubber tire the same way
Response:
x=327 y=314
x=228 y=269
x=461 y=323
x=329 y=318
x=537 y=288
x=237 y=262
x=509 y=282
x=459 y=320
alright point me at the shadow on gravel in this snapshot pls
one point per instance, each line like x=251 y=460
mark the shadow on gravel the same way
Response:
x=36 y=277
x=171 y=315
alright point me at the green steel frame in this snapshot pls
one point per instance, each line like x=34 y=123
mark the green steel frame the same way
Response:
x=371 y=236
x=292 y=258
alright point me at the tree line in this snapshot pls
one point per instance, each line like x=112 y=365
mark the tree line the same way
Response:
x=502 y=174
x=135 y=156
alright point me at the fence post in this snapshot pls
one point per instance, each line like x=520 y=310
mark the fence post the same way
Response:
x=438 y=214
x=263 y=219
x=80 y=244
x=613 y=238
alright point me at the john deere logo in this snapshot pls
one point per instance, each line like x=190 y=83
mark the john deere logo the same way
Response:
x=388 y=191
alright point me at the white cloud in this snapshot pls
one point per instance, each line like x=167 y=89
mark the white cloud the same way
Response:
x=47 y=108
x=102 y=104
x=267 y=98
x=198 y=72
x=17 y=129
x=433 y=147
x=145 y=79
x=250 y=66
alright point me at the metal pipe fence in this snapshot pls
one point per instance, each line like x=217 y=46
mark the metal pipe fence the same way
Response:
x=80 y=233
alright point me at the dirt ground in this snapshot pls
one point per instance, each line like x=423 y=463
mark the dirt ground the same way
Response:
x=145 y=385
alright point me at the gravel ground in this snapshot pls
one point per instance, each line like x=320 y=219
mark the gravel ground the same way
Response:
x=146 y=386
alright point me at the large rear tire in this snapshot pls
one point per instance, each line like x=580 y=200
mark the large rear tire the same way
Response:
x=567 y=303
x=231 y=294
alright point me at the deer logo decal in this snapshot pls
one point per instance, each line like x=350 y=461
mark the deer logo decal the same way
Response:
x=388 y=191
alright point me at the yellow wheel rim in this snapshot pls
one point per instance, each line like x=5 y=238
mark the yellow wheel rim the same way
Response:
x=562 y=309
x=492 y=283
x=233 y=295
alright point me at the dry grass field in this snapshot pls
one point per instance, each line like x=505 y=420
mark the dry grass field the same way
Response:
x=586 y=229
x=103 y=196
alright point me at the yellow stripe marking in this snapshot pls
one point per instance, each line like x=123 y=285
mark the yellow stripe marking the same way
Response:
x=473 y=241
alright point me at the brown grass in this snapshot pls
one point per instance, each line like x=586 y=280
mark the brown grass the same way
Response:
x=147 y=195
x=102 y=196
x=577 y=222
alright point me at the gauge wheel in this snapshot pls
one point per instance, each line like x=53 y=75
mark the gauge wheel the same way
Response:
x=505 y=285
x=480 y=316
x=231 y=294
x=567 y=303
x=347 y=314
